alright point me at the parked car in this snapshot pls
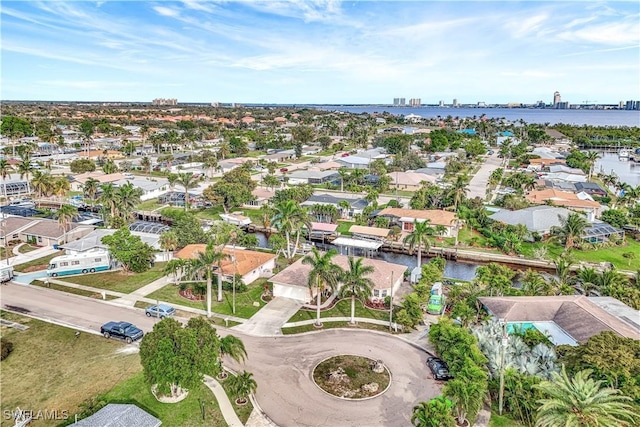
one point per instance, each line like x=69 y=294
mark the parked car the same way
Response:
x=439 y=369
x=283 y=170
x=121 y=330
x=160 y=310
x=345 y=154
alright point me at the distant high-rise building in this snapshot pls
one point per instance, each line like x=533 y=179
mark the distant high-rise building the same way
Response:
x=563 y=105
x=441 y=103
x=556 y=98
x=398 y=101
x=165 y=101
x=415 y=102
x=455 y=102
x=632 y=105
x=482 y=104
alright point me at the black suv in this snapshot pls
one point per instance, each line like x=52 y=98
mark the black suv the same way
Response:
x=439 y=369
x=122 y=330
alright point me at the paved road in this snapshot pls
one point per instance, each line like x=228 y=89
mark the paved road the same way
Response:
x=480 y=181
x=281 y=365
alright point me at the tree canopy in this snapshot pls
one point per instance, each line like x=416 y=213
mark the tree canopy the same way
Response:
x=129 y=250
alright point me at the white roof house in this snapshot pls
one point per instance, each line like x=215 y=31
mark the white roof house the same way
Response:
x=538 y=219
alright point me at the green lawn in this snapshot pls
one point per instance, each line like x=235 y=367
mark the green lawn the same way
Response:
x=502 y=421
x=26 y=248
x=52 y=368
x=37 y=264
x=117 y=280
x=341 y=309
x=333 y=325
x=612 y=254
x=344 y=226
x=70 y=290
x=186 y=413
x=149 y=205
x=243 y=411
x=244 y=300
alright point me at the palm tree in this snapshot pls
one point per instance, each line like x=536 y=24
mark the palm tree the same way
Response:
x=40 y=183
x=204 y=264
x=242 y=385
x=434 y=413
x=24 y=167
x=590 y=157
x=90 y=188
x=176 y=267
x=289 y=218
x=233 y=347
x=5 y=171
x=224 y=150
x=145 y=163
x=109 y=167
x=168 y=242
x=66 y=214
x=355 y=285
x=109 y=199
x=571 y=228
x=583 y=402
x=187 y=181
x=459 y=189
x=127 y=198
x=344 y=172
x=419 y=237
x=323 y=273
x=60 y=186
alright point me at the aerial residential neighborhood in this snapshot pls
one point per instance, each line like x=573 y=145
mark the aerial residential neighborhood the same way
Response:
x=270 y=247
x=319 y=213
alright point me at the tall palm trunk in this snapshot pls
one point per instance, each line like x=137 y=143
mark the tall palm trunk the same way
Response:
x=419 y=256
x=208 y=294
x=219 y=283
x=353 y=309
x=318 y=304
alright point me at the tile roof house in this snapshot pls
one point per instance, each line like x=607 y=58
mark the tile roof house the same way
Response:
x=251 y=265
x=406 y=218
x=292 y=282
x=566 y=199
x=79 y=180
x=577 y=315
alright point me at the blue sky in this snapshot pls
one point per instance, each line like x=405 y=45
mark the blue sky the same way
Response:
x=320 y=51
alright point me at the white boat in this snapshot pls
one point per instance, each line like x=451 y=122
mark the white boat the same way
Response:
x=236 y=218
x=623 y=154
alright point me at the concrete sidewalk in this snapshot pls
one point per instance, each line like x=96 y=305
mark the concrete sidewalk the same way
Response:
x=226 y=407
x=29 y=256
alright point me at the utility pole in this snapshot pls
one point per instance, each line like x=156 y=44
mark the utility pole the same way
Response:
x=391 y=304
x=504 y=343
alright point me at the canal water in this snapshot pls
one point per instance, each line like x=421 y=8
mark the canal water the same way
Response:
x=453 y=270
x=627 y=171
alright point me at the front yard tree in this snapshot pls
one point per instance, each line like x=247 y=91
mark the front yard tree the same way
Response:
x=203 y=265
x=419 y=238
x=242 y=385
x=129 y=250
x=175 y=359
x=355 y=284
x=233 y=190
x=289 y=219
x=323 y=273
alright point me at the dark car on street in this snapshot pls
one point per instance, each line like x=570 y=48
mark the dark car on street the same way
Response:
x=121 y=330
x=439 y=369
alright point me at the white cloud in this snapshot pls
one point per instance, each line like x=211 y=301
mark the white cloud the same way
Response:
x=166 y=11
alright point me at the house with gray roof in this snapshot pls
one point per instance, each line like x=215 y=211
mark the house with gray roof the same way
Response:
x=313 y=176
x=120 y=415
x=356 y=206
x=538 y=219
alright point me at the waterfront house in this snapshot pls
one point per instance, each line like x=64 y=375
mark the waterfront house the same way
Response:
x=566 y=199
x=356 y=206
x=406 y=219
x=261 y=196
x=78 y=181
x=251 y=265
x=39 y=231
x=591 y=188
x=538 y=219
x=292 y=282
